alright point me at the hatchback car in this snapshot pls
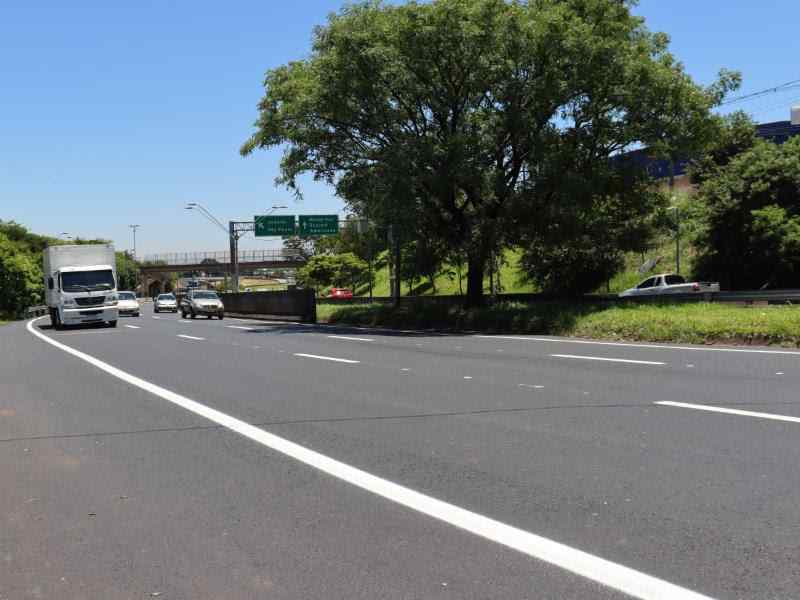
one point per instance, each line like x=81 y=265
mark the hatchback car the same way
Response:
x=202 y=302
x=165 y=303
x=128 y=304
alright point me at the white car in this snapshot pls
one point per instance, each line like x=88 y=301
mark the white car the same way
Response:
x=202 y=302
x=128 y=304
x=668 y=283
x=166 y=303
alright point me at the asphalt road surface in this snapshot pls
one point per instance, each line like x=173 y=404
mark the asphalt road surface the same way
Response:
x=186 y=459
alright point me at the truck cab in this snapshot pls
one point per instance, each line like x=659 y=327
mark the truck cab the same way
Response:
x=81 y=285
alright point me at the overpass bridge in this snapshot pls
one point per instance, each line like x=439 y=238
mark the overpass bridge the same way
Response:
x=154 y=267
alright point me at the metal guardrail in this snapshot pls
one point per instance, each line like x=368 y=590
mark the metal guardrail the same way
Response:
x=221 y=258
x=743 y=297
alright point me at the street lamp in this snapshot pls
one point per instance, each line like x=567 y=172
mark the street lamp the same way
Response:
x=274 y=208
x=65 y=235
x=134 y=228
x=677 y=237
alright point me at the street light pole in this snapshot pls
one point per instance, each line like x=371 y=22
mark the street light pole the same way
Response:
x=134 y=228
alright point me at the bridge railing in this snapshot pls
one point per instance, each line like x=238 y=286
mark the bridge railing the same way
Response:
x=212 y=258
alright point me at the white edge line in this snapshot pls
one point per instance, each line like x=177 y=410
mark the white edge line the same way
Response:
x=191 y=337
x=732 y=411
x=330 y=358
x=352 y=339
x=630 y=345
x=603 y=359
x=613 y=575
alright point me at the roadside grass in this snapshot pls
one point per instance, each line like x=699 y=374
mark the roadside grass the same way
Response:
x=679 y=323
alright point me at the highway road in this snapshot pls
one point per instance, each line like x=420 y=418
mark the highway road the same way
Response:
x=186 y=459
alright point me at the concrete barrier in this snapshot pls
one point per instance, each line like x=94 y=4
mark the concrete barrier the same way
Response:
x=298 y=304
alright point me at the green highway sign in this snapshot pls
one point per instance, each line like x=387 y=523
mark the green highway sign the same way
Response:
x=318 y=225
x=274 y=225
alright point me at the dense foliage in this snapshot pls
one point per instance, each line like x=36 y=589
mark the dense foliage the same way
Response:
x=751 y=237
x=338 y=270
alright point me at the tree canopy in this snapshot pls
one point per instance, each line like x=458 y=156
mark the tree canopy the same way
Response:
x=475 y=118
x=751 y=237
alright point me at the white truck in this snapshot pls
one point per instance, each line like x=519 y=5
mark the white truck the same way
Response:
x=667 y=284
x=80 y=283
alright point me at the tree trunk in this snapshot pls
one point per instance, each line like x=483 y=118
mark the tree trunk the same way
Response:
x=475 y=265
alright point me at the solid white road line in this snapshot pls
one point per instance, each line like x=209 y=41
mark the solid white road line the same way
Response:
x=732 y=411
x=330 y=358
x=132 y=326
x=627 y=345
x=352 y=339
x=613 y=575
x=602 y=359
x=191 y=337
x=239 y=327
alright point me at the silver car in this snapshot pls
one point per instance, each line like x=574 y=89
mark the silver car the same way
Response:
x=202 y=302
x=165 y=303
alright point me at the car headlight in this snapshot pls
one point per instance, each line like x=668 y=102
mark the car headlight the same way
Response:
x=70 y=302
x=111 y=300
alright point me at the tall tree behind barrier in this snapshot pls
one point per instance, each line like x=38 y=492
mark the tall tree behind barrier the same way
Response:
x=465 y=102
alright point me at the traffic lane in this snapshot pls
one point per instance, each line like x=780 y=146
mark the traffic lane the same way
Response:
x=44 y=393
x=737 y=362
x=499 y=381
x=203 y=512
x=608 y=440
x=718 y=524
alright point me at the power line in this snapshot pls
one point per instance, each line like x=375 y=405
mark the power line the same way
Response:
x=789 y=85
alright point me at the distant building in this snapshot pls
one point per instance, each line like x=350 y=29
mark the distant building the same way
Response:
x=778 y=132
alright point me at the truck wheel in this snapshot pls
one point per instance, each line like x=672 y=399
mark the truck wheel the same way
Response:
x=112 y=323
x=55 y=320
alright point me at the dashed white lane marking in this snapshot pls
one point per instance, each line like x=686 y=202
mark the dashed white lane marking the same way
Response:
x=330 y=358
x=780 y=373
x=628 y=345
x=191 y=337
x=467 y=377
x=132 y=326
x=732 y=411
x=531 y=387
x=184 y=321
x=240 y=327
x=603 y=359
x=155 y=317
x=616 y=576
x=352 y=339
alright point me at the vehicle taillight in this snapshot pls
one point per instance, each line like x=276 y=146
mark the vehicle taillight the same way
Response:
x=696 y=287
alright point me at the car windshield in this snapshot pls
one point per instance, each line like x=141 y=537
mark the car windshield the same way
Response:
x=205 y=296
x=87 y=281
x=127 y=296
x=166 y=297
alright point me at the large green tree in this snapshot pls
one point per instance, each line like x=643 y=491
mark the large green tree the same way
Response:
x=20 y=276
x=752 y=233
x=477 y=112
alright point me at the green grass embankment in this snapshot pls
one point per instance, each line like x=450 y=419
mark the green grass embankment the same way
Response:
x=677 y=323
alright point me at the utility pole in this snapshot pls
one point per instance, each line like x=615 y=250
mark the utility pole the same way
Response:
x=134 y=228
x=677 y=237
x=234 y=242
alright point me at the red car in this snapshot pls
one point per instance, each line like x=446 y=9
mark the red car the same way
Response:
x=341 y=293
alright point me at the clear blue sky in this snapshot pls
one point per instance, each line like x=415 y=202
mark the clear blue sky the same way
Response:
x=115 y=113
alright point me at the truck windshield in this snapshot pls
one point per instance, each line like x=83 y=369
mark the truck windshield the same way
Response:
x=87 y=281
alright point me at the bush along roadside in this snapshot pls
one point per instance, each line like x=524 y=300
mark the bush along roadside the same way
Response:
x=680 y=323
